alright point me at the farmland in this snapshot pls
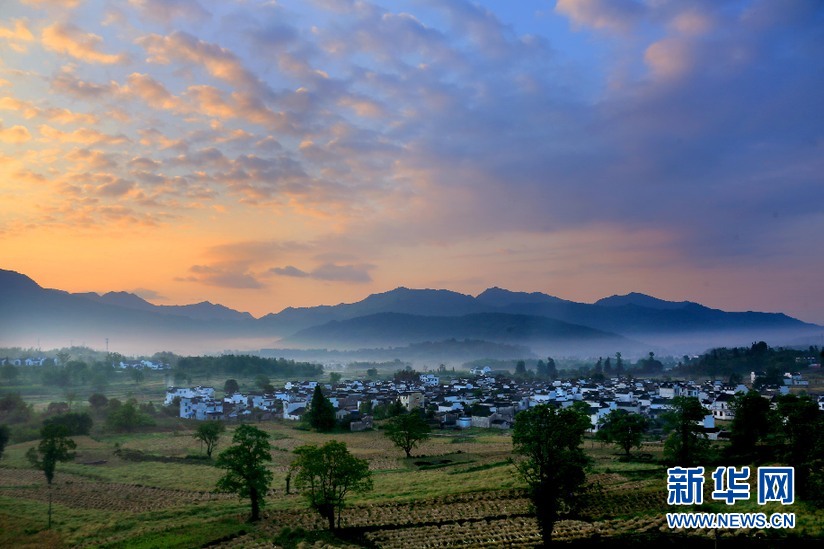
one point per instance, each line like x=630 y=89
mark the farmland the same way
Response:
x=154 y=489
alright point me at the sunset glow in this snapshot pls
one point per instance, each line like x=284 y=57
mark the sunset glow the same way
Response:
x=265 y=154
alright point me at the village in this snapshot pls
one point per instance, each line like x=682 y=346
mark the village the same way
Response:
x=483 y=399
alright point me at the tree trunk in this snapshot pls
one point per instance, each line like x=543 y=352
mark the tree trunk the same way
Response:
x=50 y=504
x=253 y=494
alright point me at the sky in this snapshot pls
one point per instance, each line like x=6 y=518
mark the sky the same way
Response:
x=265 y=154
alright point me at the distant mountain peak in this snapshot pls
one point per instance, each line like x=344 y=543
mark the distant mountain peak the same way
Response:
x=642 y=300
x=501 y=297
x=14 y=281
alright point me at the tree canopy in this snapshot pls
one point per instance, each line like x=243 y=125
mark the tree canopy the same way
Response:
x=623 y=429
x=686 y=444
x=54 y=447
x=751 y=423
x=245 y=464
x=407 y=431
x=327 y=474
x=321 y=413
x=4 y=438
x=208 y=432
x=549 y=439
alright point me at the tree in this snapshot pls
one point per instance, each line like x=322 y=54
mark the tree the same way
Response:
x=520 y=368
x=4 y=438
x=54 y=447
x=98 y=401
x=407 y=431
x=321 y=413
x=76 y=423
x=800 y=429
x=264 y=384
x=126 y=417
x=623 y=429
x=208 y=433
x=245 y=463
x=9 y=373
x=551 y=368
x=619 y=365
x=335 y=377
x=327 y=474
x=138 y=375
x=751 y=423
x=549 y=439
x=686 y=444
x=231 y=387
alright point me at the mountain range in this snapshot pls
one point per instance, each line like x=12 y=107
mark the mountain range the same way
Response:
x=632 y=324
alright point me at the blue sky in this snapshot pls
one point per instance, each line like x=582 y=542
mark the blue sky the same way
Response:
x=277 y=153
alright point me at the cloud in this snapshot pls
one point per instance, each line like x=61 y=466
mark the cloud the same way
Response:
x=14 y=135
x=166 y=11
x=65 y=82
x=70 y=40
x=289 y=270
x=152 y=92
x=615 y=15
x=18 y=36
x=149 y=295
x=53 y=3
x=329 y=272
x=218 y=61
x=224 y=276
x=53 y=114
x=84 y=136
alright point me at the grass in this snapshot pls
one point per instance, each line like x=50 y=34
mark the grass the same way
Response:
x=478 y=463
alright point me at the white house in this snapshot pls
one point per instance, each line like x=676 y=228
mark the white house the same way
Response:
x=188 y=392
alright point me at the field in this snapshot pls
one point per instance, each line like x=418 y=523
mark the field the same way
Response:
x=458 y=490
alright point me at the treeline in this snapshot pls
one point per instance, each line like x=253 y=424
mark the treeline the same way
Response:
x=247 y=365
x=759 y=357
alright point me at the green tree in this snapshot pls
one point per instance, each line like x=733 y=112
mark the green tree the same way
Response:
x=208 y=433
x=520 y=368
x=126 y=417
x=327 y=474
x=264 y=384
x=549 y=439
x=800 y=428
x=245 y=464
x=751 y=423
x=54 y=447
x=4 y=438
x=623 y=429
x=321 y=413
x=9 y=373
x=686 y=444
x=231 y=387
x=551 y=368
x=76 y=423
x=98 y=401
x=335 y=377
x=137 y=375
x=407 y=431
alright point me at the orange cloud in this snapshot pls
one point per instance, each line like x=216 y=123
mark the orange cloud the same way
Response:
x=70 y=40
x=218 y=61
x=17 y=36
x=82 y=136
x=151 y=91
x=59 y=115
x=14 y=135
x=53 y=3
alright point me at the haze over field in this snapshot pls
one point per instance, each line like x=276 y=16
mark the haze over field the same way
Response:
x=265 y=154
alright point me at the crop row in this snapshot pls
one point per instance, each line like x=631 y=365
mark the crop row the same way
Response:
x=111 y=496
